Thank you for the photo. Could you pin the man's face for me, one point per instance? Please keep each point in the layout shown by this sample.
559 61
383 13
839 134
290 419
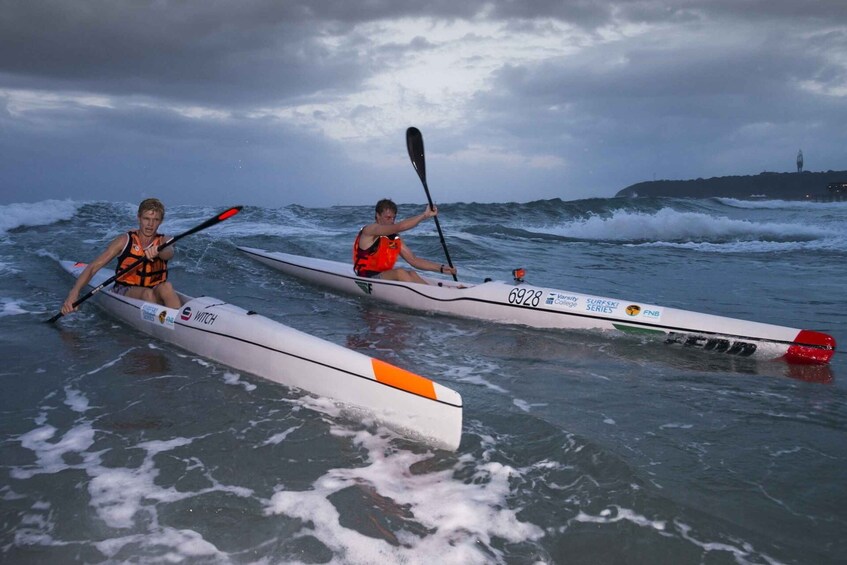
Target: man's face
149 222
386 217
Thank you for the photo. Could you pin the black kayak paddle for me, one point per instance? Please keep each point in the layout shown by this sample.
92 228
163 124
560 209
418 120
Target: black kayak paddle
415 145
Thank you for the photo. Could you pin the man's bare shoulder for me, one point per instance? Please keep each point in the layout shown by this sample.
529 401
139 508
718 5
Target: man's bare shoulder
375 230
118 243
369 229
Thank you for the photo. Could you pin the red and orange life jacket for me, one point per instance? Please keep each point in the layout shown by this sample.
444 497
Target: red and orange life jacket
149 273
379 257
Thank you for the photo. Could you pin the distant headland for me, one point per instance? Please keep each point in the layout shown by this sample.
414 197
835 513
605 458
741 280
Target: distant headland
802 185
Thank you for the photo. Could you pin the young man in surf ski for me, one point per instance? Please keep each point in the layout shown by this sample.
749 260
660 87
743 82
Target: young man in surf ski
148 281
378 245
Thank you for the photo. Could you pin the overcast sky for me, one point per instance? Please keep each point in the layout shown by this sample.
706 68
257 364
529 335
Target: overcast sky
265 102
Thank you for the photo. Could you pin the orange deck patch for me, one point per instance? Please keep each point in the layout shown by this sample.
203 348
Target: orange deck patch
402 379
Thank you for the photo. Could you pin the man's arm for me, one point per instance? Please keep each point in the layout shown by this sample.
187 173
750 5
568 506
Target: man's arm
376 230
112 251
419 262
165 254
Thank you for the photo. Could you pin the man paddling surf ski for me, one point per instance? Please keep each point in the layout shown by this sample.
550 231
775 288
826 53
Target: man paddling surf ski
378 245
148 280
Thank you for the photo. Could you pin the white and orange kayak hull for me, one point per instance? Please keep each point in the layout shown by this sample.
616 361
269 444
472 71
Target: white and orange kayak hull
408 403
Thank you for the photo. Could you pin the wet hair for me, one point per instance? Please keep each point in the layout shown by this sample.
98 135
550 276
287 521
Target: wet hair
151 204
386 204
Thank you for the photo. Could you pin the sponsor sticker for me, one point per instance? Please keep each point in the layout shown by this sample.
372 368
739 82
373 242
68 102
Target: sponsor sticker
717 344
651 313
559 299
159 315
205 317
601 305
366 287
186 313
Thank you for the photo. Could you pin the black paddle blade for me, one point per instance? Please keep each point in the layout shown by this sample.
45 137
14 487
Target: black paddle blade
414 143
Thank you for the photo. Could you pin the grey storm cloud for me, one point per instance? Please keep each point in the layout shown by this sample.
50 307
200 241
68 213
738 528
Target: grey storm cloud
297 102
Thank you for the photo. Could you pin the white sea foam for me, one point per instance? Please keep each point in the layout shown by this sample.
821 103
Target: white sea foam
111 363
12 307
473 375
6 493
739 553
751 246
235 380
37 528
120 495
36 213
676 425
186 544
77 401
117 493
280 437
527 406
50 455
617 514
8 266
455 518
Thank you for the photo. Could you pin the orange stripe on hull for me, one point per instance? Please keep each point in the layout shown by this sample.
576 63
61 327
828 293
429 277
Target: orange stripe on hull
400 378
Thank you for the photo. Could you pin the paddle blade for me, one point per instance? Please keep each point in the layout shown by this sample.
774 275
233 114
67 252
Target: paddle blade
414 143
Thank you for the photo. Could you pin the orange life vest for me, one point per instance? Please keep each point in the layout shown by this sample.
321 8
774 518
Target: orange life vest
149 273
379 257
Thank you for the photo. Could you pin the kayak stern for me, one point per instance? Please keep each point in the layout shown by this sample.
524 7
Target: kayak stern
811 348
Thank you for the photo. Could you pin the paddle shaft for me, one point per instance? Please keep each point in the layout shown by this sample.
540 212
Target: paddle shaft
415 146
208 223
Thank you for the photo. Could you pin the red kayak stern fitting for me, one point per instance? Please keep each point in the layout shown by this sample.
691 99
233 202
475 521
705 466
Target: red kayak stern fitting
811 348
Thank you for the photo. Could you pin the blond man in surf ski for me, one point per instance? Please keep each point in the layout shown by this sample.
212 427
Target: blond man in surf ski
148 281
378 245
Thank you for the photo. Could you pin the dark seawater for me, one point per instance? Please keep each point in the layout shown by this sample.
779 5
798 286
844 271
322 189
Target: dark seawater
578 447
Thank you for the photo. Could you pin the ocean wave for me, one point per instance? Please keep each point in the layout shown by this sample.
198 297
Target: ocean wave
780 204
41 213
748 247
669 225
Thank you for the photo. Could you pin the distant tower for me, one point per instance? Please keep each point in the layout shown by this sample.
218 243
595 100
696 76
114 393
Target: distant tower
800 161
